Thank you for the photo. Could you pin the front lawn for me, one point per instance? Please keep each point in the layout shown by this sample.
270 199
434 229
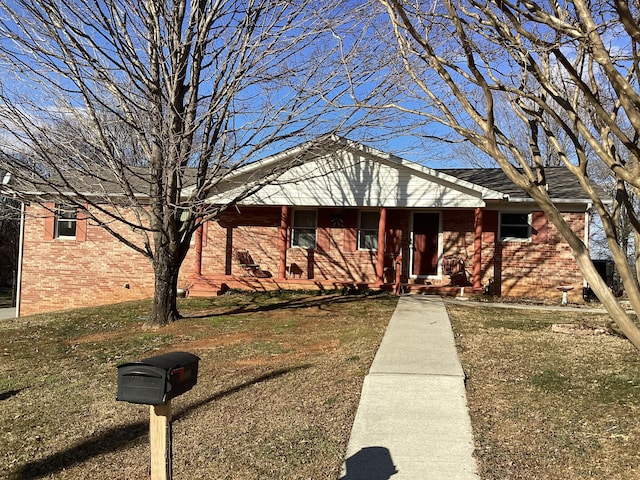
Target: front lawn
548 405
279 382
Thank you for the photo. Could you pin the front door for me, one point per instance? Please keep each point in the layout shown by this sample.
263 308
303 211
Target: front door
426 227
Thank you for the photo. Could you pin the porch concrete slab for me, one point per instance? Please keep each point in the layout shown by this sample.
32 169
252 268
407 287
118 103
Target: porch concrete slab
412 422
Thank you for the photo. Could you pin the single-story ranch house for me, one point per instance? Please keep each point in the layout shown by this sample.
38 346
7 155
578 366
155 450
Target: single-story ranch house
347 216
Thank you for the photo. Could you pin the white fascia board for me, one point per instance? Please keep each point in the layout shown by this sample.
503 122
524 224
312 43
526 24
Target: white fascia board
562 201
520 204
275 158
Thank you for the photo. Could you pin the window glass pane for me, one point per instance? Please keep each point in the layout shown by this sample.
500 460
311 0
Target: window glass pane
369 220
305 238
304 219
66 228
304 229
511 231
368 232
515 226
65 221
368 240
515 219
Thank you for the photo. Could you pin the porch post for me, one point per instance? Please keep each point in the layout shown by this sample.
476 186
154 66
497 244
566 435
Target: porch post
198 265
228 252
283 237
382 228
477 250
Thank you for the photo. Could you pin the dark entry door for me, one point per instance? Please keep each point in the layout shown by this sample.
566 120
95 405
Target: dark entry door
425 243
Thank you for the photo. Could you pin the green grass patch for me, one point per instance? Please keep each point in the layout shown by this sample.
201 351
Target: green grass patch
549 381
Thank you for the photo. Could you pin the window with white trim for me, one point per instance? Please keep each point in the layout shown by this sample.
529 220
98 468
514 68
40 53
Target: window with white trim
515 227
368 230
303 232
66 221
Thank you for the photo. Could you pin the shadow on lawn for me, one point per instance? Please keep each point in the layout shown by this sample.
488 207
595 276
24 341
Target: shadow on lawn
349 297
9 394
122 437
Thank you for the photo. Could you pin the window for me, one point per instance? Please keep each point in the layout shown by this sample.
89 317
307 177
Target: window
66 219
515 226
368 231
304 229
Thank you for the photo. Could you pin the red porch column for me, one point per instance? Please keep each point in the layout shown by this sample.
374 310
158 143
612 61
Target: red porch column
382 228
198 265
228 252
283 240
477 250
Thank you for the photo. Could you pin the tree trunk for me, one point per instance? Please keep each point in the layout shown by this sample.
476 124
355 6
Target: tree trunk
636 254
165 309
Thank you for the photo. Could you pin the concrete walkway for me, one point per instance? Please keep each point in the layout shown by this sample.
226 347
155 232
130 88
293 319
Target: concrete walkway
7 313
412 422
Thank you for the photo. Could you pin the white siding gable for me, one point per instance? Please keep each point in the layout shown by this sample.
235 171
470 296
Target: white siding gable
349 178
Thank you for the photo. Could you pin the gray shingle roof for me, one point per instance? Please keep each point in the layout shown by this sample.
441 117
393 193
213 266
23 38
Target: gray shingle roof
562 185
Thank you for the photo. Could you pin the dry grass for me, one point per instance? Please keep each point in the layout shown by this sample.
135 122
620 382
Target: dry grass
549 405
280 376
279 382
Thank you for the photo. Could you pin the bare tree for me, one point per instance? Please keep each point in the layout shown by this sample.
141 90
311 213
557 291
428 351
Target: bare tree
568 73
134 112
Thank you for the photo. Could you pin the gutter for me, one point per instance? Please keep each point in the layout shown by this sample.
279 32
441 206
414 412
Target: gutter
580 201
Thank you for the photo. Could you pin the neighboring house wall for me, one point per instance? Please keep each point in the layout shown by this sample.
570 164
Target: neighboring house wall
92 269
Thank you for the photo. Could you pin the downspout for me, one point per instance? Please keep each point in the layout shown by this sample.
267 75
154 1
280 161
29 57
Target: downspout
587 223
20 253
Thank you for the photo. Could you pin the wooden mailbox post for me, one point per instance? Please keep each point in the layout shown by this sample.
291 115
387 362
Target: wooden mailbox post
155 381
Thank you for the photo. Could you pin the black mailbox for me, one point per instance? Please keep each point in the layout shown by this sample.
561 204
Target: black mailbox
154 380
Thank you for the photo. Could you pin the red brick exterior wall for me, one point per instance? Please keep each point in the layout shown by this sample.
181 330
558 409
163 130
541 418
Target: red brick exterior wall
255 229
93 269
535 269
517 269
96 269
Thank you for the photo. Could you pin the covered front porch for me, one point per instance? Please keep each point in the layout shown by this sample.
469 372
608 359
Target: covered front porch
407 250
